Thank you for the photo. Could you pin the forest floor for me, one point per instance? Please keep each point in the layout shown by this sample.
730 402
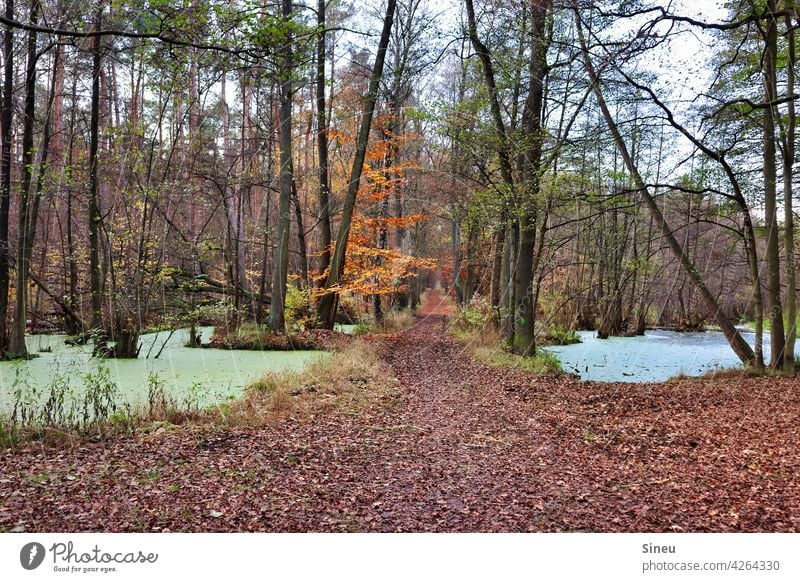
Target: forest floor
460 446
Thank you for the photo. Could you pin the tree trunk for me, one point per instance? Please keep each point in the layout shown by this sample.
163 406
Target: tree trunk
322 147
16 344
301 236
265 207
95 217
327 304
774 307
29 209
528 200
497 266
469 269
6 118
788 215
507 281
277 314
71 285
458 288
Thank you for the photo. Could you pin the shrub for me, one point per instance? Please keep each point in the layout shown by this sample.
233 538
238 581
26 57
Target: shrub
561 336
362 327
475 316
299 312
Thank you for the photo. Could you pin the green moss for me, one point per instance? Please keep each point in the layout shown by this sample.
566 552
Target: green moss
541 364
560 336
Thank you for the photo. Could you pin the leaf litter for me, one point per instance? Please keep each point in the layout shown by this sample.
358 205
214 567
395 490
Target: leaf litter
523 453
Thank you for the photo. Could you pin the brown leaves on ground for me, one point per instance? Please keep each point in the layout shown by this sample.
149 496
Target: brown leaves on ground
460 447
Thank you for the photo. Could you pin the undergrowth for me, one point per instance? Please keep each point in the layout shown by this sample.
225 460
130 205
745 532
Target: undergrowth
475 328
346 381
393 321
542 364
250 336
93 409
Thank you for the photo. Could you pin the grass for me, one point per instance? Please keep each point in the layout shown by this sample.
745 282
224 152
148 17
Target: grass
345 382
393 321
484 344
559 336
728 374
542 364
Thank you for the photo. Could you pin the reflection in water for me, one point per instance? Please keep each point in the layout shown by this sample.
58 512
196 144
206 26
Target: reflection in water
654 357
209 375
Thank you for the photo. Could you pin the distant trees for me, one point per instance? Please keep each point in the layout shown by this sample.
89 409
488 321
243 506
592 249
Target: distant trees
219 152
156 199
744 101
617 277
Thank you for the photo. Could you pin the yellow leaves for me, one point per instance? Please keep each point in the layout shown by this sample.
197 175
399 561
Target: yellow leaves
371 270
380 150
342 137
390 222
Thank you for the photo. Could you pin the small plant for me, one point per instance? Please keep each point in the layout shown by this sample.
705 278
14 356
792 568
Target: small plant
562 336
362 327
158 402
100 396
123 420
198 393
299 312
9 434
26 399
266 384
60 407
474 317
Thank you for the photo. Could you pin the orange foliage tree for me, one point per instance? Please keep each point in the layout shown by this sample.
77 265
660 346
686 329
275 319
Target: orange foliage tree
373 268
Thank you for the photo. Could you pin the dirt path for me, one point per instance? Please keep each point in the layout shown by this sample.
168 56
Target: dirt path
463 447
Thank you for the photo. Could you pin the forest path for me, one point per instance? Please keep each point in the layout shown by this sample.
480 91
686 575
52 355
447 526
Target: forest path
460 447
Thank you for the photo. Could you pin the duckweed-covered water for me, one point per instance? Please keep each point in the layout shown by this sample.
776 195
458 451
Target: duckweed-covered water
654 357
200 376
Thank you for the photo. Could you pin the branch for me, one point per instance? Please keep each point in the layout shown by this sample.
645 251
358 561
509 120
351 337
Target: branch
666 16
752 105
160 36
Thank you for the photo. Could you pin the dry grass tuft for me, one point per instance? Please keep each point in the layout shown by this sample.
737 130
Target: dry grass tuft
395 321
345 381
484 344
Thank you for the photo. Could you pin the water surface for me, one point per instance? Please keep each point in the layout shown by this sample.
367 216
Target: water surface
203 376
654 357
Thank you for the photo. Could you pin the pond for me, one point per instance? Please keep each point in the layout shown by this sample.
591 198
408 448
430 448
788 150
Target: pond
200 376
654 357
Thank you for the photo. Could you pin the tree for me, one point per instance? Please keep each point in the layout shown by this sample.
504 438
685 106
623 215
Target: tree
277 318
6 120
525 190
327 304
732 334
